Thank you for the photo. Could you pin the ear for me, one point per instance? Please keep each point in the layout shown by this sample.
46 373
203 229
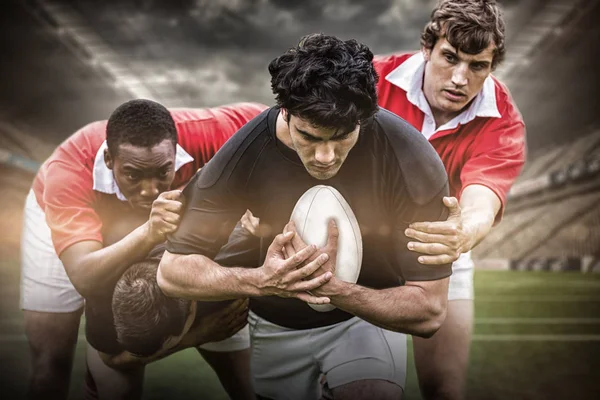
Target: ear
284 114
426 53
108 160
171 342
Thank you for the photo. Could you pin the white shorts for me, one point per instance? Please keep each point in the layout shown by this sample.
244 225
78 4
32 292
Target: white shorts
45 286
288 363
461 280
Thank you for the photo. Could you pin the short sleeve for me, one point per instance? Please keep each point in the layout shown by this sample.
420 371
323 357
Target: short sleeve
497 159
68 199
210 214
410 268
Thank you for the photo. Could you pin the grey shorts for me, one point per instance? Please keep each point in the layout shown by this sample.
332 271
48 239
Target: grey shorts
288 363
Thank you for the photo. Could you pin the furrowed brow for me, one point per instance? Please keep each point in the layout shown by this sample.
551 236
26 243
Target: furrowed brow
308 135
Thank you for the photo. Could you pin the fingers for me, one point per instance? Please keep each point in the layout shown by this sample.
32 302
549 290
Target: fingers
296 242
453 206
303 286
240 319
166 228
309 298
308 269
169 218
437 260
438 227
237 306
173 206
252 220
449 240
301 256
280 240
433 249
249 222
333 234
170 195
288 249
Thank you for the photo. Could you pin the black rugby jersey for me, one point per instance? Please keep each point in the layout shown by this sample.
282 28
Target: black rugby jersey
391 177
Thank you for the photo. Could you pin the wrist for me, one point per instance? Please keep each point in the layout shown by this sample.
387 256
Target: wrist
150 240
253 280
340 290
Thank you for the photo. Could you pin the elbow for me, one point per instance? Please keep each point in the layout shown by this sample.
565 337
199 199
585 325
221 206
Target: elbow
435 315
86 291
166 275
85 287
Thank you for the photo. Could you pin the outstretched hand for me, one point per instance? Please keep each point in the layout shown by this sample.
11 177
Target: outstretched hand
441 242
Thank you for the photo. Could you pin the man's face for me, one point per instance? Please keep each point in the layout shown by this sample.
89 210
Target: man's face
143 173
453 78
322 150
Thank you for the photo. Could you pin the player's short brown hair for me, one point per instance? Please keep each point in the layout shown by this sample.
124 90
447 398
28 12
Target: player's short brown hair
144 316
468 25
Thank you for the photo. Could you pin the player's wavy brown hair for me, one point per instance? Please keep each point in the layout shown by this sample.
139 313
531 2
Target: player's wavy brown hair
468 25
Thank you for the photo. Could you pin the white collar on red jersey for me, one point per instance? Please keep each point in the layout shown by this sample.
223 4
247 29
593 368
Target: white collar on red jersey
104 180
409 77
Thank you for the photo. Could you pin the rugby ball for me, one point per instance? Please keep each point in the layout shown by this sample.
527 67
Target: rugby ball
311 215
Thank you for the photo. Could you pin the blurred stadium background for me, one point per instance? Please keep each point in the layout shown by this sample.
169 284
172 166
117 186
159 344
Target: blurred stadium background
66 63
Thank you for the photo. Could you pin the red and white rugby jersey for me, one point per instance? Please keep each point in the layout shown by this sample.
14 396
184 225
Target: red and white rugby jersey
483 145
71 183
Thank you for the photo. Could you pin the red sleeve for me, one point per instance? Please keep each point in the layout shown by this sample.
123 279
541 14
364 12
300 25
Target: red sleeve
68 199
202 132
498 156
386 64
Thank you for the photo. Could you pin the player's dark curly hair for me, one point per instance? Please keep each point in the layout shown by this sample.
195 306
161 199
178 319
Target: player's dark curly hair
144 316
142 123
327 81
468 25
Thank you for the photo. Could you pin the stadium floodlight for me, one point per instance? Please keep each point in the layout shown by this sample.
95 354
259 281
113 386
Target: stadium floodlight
577 170
592 166
558 178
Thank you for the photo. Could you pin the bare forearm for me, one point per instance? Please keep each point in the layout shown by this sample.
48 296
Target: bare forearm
408 309
126 360
96 270
197 277
479 208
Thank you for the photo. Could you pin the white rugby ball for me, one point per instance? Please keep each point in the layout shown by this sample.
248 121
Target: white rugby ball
311 215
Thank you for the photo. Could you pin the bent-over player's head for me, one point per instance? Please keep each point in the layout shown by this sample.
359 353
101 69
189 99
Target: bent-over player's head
326 87
141 139
463 43
146 320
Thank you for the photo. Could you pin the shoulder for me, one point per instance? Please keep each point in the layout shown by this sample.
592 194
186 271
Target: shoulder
384 64
224 120
421 169
80 149
506 106
252 134
89 137
242 112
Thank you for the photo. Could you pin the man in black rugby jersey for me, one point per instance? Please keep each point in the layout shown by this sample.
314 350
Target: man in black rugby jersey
325 129
136 324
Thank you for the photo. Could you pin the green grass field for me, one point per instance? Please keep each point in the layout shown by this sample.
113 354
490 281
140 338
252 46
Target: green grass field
537 336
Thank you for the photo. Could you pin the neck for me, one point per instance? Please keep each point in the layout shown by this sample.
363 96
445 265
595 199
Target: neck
441 117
